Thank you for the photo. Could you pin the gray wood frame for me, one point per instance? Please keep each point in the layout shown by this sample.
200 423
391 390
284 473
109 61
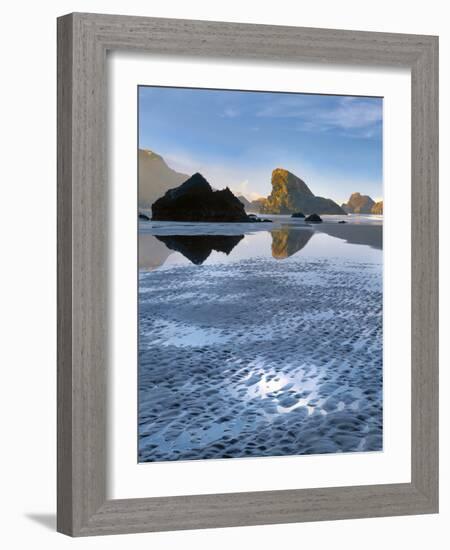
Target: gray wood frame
83 41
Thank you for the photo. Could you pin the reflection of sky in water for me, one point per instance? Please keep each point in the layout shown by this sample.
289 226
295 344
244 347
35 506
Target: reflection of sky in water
273 383
260 245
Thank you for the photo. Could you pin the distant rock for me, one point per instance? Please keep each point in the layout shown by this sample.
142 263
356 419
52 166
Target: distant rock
143 217
195 201
252 206
255 205
254 218
298 215
155 177
377 208
358 204
197 248
342 221
313 218
244 201
291 194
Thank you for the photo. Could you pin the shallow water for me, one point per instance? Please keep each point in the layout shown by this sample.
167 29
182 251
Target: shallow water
258 340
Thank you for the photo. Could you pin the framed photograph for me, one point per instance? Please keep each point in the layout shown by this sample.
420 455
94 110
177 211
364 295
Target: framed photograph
247 274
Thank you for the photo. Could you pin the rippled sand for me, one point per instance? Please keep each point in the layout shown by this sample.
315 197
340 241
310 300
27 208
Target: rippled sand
260 357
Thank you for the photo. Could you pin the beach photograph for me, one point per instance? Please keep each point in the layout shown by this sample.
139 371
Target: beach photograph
260 274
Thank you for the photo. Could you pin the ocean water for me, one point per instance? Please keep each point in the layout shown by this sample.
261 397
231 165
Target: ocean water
260 339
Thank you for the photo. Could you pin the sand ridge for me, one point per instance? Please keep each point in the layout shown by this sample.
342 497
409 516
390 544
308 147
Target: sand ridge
260 358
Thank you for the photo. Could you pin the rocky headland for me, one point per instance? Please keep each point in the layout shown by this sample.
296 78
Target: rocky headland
155 177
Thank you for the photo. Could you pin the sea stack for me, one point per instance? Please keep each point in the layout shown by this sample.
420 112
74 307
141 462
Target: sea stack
195 201
359 204
377 208
290 194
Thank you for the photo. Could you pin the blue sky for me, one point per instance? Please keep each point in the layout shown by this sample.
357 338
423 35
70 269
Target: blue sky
236 139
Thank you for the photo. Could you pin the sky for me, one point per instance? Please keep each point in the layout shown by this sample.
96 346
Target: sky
236 139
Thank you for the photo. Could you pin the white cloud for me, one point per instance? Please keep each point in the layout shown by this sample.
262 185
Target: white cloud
352 114
243 188
285 107
230 112
354 117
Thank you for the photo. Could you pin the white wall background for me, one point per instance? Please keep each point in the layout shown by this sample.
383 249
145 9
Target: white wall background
28 268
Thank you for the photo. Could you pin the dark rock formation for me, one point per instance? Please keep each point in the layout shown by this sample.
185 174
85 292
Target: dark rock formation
197 248
195 201
254 218
358 204
298 215
291 194
342 221
143 217
313 218
377 208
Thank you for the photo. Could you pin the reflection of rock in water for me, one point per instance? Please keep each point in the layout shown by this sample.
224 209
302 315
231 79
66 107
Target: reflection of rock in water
152 253
287 241
197 248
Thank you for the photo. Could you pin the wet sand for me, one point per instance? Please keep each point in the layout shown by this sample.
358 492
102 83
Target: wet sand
371 235
264 354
